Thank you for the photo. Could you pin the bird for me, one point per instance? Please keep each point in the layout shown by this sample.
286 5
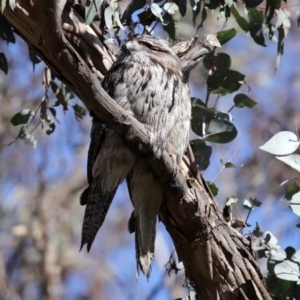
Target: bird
149 80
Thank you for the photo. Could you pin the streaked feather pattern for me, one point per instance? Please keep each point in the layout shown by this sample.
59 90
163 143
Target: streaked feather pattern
149 81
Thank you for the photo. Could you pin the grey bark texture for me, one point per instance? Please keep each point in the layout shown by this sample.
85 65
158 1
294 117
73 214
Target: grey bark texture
218 261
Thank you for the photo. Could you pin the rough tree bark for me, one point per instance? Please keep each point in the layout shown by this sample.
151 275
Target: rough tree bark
218 261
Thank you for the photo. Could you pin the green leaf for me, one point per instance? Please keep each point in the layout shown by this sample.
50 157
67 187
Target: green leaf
67 92
219 63
3 63
233 81
242 100
280 44
53 111
12 4
196 9
202 154
215 81
51 124
252 3
33 57
59 94
27 137
283 143
21 117
291 191
255 202
220 131
192 296
293 160
213 4
286 271
223 82
200 114
170 26
79 112
257 232
255 26
213 188
230 165
91 9
6 31
223 116
3 5
295 204
47 77
239 19
181 5
226 35
271 6
227 12
55 88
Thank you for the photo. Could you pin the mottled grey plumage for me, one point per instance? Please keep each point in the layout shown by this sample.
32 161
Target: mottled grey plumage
147 79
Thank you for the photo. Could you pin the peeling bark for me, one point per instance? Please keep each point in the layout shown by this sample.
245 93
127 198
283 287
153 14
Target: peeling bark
218 261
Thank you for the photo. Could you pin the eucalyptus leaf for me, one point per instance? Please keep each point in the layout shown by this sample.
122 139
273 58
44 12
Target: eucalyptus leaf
282 143
242 100
220 131
287 270
79 112
108 14
202 153
169 26
22 117
213 188
291 191
157 11
33 57
196 6
276 253
226 35
253 3
201 115
255 26
232 200
239 19
296 257
220 62
6 31
3 5
91 10
247 204
3 63
270 239
295 204
181 5
12 4
170 8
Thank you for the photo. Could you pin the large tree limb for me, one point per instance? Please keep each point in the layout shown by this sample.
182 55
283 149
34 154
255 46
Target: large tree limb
217 259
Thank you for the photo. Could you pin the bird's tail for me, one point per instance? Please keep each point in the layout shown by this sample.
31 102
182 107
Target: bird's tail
95 213
113 163
144 241
146 195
